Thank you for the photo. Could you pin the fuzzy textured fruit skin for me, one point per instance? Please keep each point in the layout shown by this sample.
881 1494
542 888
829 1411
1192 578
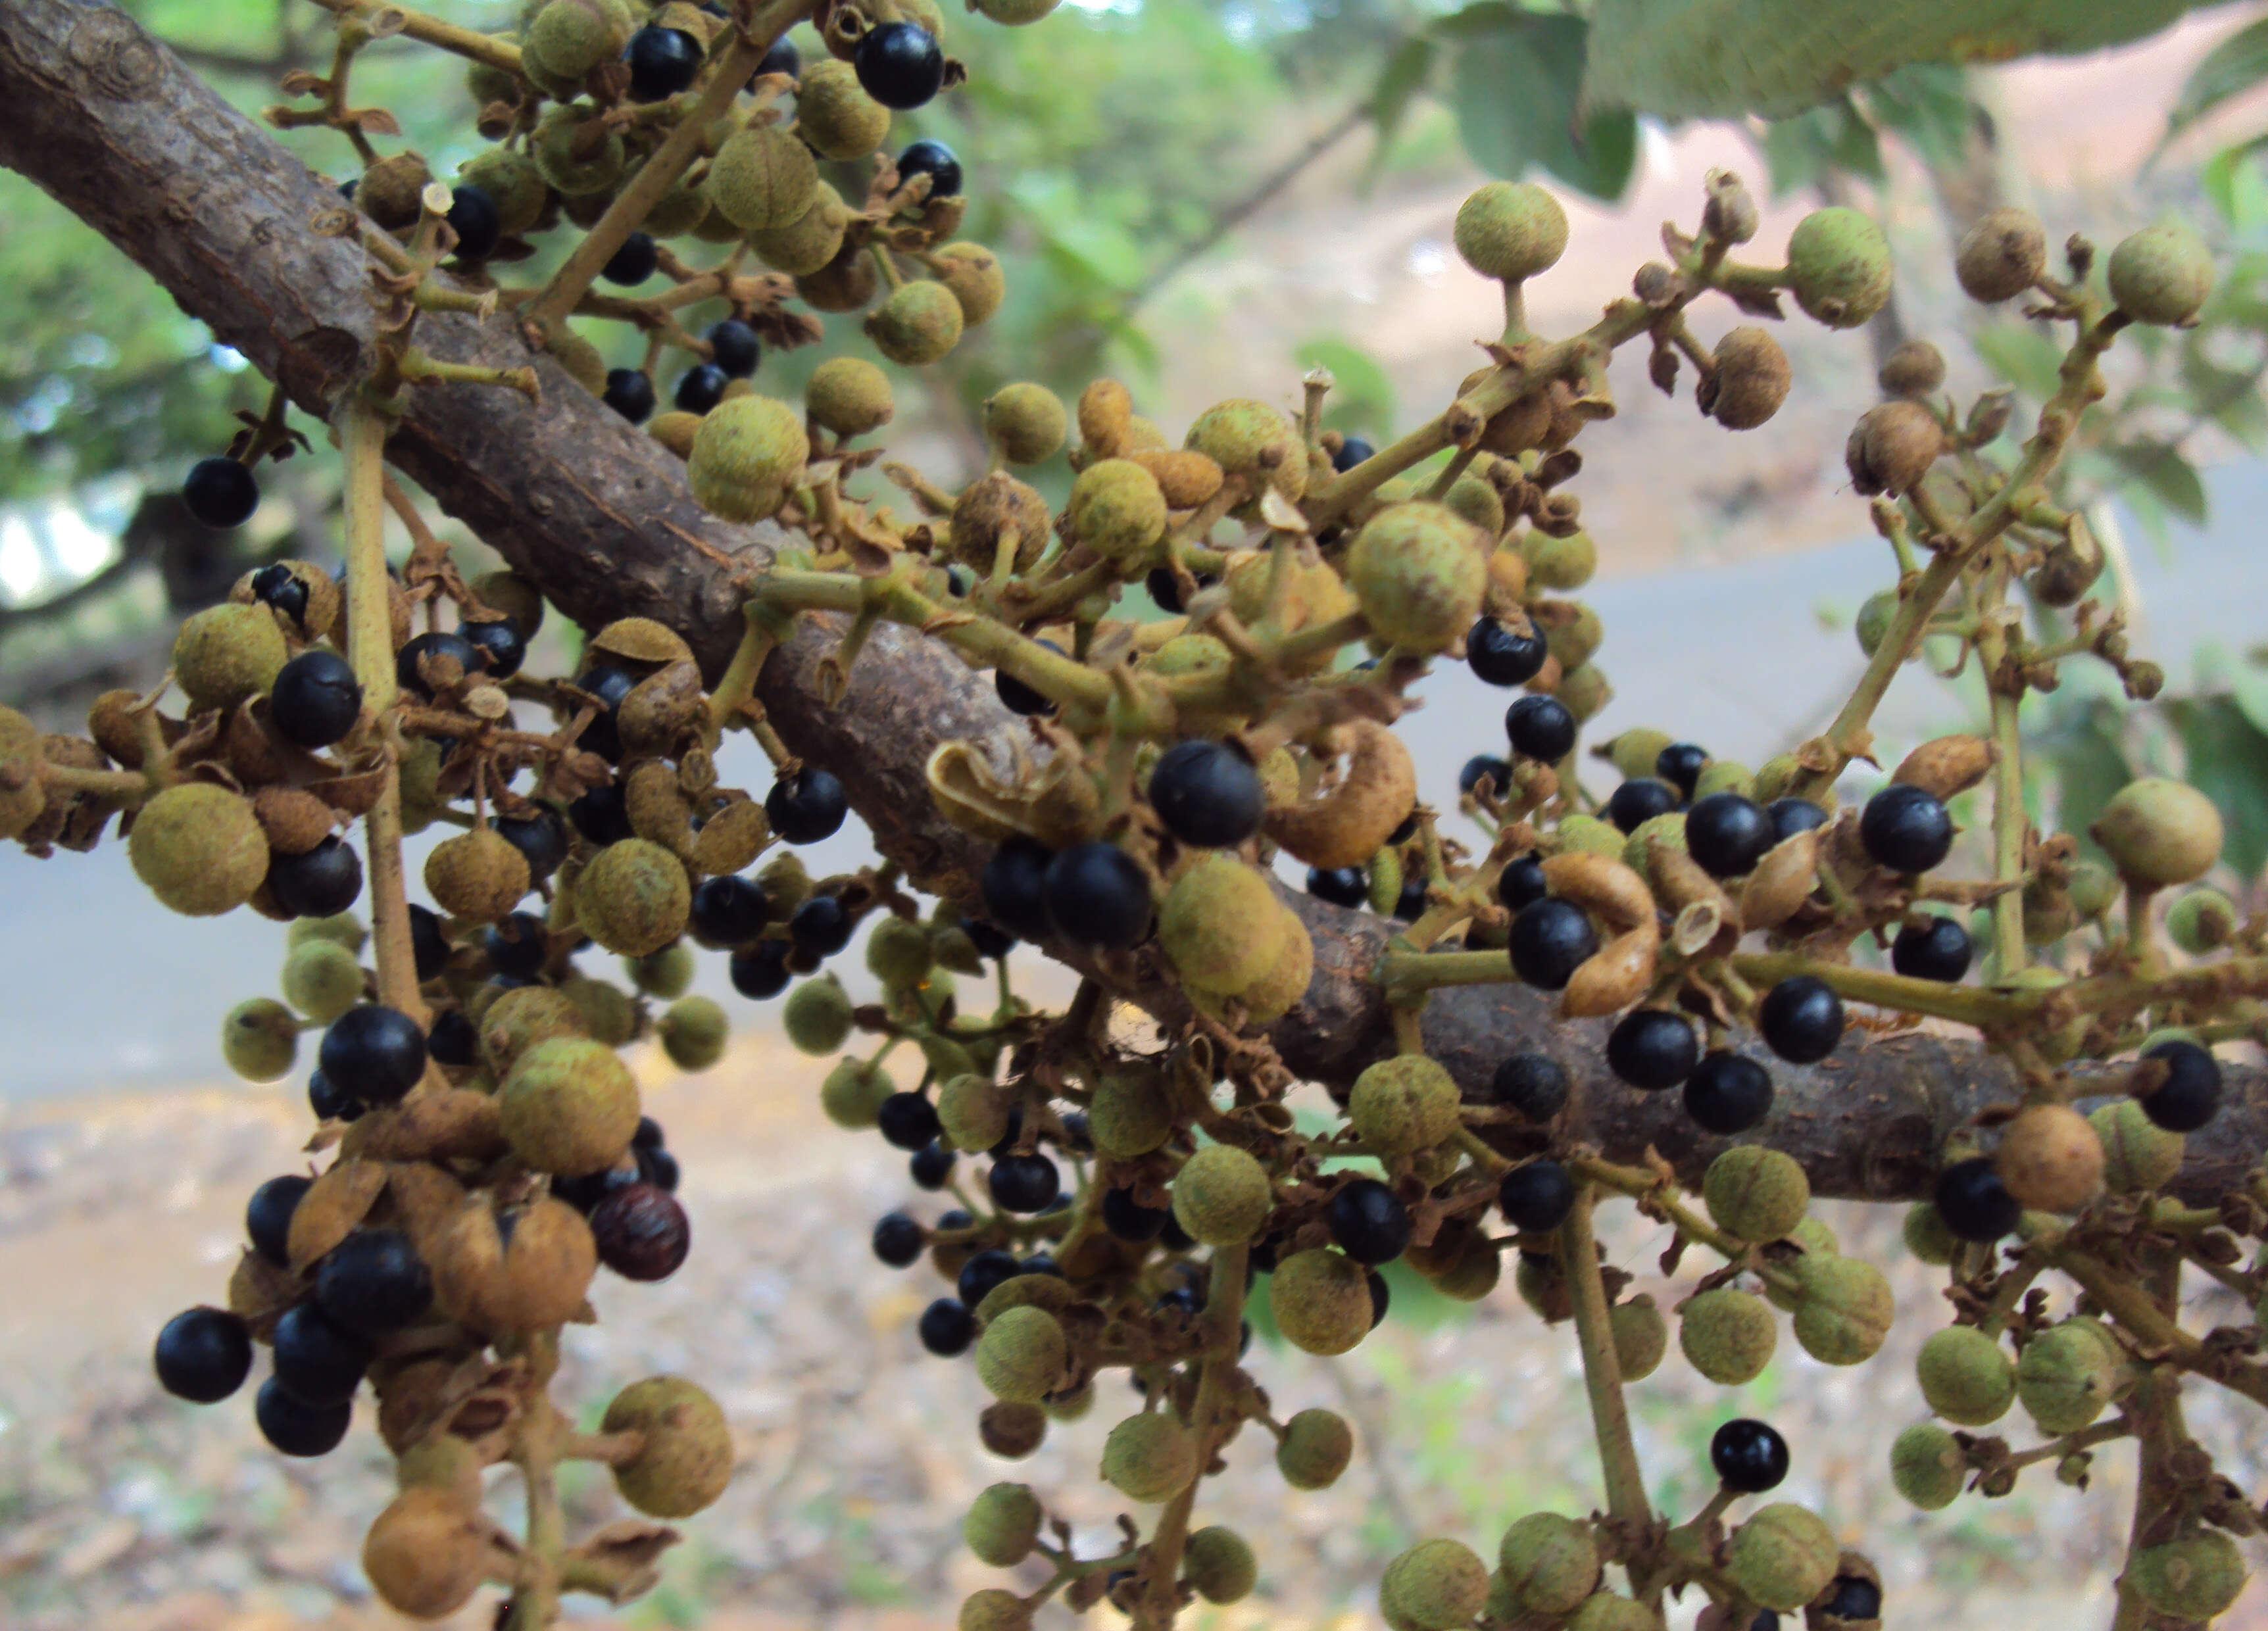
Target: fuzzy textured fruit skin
1966 1377
2160 831
746 455
1782 1556
2137 1154
1641 1337
1727 1335
1604 1610
1417 572
1026 421
479 875
688 1457
199 848
2069 1374
917 325
1321 1300
1219 1564
1551 1562
848 396
260 1038
1838 266
1436 1585
1118 509
1003 1525
1927 1466
1021 1355
1404 1104
2162 275
2002 255
1751 381
1510 230
835 115
809 243
570 1106
993 1609
975 276
227 653
1222 1196
633 898
2192 1578
423 1558
2051 1158
1315 1448
1149 1457
762 180
1892 447
1755 1192
1216 925
1845 1309
1236 434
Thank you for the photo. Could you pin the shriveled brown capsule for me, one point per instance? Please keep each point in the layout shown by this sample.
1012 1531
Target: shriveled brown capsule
1915 369
1892 447
2002 255
1748 380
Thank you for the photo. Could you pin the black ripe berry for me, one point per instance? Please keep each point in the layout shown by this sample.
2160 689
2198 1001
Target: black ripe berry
727 911
1018 698
267 1217
2187 1099
1501 656
373 1281
1375 1283
519 945
1550 938
220 492
1680 764
277 584
1727 834
782 58
899 64
295 1427
1802 1019
1522 882
1935 947
1727 1093
1791 816
1368 1221
317 1360
932 1167
1024 1183
1497 771
663 62
1973 1201
1638 800
431 655
1129 1219
908 1121
700 388
989 941
1341 885
634 262
1852 1597
1749 1457
1352 452
821 926
540 836
898 1240
373 1054
1540 727
733 347
630 392
1905 828
1207 794
476 220
983 1272
1410 905
658 1168
1013 886
648 1135
328 1103
454 1039
1653 1048
602 815
429 948
947 1327
1536 1197
806 806
322 882
759 971
1097 895
501 645
204 1355
1533 1084
935 160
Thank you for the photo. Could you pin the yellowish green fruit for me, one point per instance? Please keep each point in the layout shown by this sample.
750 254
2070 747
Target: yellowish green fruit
917 325
1026 423
1551 1562
1219 1565
835 115
1436 1585
746 454
1020 1356
1402 1105
1418 574
1966 1377
1149 1458
693 1033
1003 1525
848 396
1755 1192
633 897
1844 1309
228 653
1782 1556
1727 1335
322 980
260 1038
1510 230
1314 1450
1838 266
1927 1466
1321 1300
199 848
687 1459
1118 510
569 1107
2158 831
762 180
852 1094
1222 1196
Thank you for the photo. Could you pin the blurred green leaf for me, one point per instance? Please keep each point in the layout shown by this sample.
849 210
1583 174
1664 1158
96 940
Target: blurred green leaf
1513 77
2023 353
1404 75
1929 105
2172 478
2231 68
2089 763
1363 399
2228 763
1834 135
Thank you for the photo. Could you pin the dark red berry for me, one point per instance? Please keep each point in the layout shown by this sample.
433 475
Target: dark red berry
1536 1197
1368 1221
1727 834
322 883
759 971
1533 1084
733 347
1550 938
476 220
1727 1093
1342 886
1802 1019
727 911
1207 794
373 1281
1540 727
1638 800
700 388
1653 1048
1973 1201
1097 895
1501 656
1680 764
808 805
935 160
631 265
642 1232
1749 1456
220 493
663 62
1935 947
908 1121
947 1327
373 1054
898 1240
899 64
2190 1093
315 699
629 392
204 1355
295 1427
1024 1183
1905 828
1522 882
317 1360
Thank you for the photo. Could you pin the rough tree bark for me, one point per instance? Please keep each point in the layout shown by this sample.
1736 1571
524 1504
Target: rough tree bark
109 121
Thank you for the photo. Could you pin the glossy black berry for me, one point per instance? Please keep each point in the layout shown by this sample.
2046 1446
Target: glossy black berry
1014 885
1342 886
1166 589
1802 1019
541 837
1536 1197
932 1167
1410 905
947 1327
649 1135
454 1039
663 62
429 948
821 926
1791 816
631 265
898 1240
1497 771
1749 1456
328 1103
1499 655
989 941
1852 1597
1905 828
267 1217
1534 1084
373 1052
1727 835
759 971
1127 1219
1653 1048
1935 947
1207 794
601 815
908 1121
1020 699
1550 938
1727 1093
1368 1222
315 699
1638 800
700 388
935 160
1097 895
1024 1183
658 1168
1973 1201
293 1426
641 1230
427 653
808 805
1521 883
476 220
733 347
984 1271
220 492
203 1355
317 1360
1352 452
322 883
1379 1297
782 58
375 1281
519 945
727 911
2190 1093
1680 764
899 64
1540 727
277 584
629 392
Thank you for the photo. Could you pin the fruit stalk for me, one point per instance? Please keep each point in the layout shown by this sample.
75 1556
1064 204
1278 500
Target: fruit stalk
1602 1378
1223 1309
466 42
2005 685
535 1452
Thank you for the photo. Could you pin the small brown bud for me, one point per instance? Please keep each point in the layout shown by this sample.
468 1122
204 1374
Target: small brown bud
1892 447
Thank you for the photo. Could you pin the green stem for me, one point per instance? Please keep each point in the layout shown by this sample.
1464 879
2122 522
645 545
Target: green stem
1602 1377
1402 975
1224 1305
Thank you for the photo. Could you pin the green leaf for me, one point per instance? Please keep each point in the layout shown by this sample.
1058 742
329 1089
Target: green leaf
2172 478
1363 399
2024 354
2231 68
2227 761
1406 69
1929 105
1719 58
1512 87
2088 762
1833 136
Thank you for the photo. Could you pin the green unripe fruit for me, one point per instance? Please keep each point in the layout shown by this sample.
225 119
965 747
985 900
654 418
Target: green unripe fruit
898 951
835 115
917 325
1149 1458
973 1112
748 452
1838 266
1817 1240
1755 1192
1219 1565
1844 1311
570 37
1583 690
1966 1377
1240 436
1574 642
1118 510
1417 572
1003 1525
2162 275
1666 830
199 848
1875 615
2137 1154
1320 1301
687 1459
1021 1355
1551 1562
2202 920
693 1033
1473 499
323 980
1471 1274
809 243
848 396
1604 1610
1927 1466
1016 13
1634 752
762 180
1221 926
1567 562
1436 1585
1724 776
609 1014
344 928
227 653
520 1020
260 1038
1315 1448
2194 1578
2160 831
678 210
993 1609
1727 1335
1641 1337
633 897
1927 1237
1587 835
1404 1104
852 1094
1130 1114
572 170
570 1106
817 1016
1026 423
1510 230
1222 1196
2070 1374
975 276
1782 1556
666 973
